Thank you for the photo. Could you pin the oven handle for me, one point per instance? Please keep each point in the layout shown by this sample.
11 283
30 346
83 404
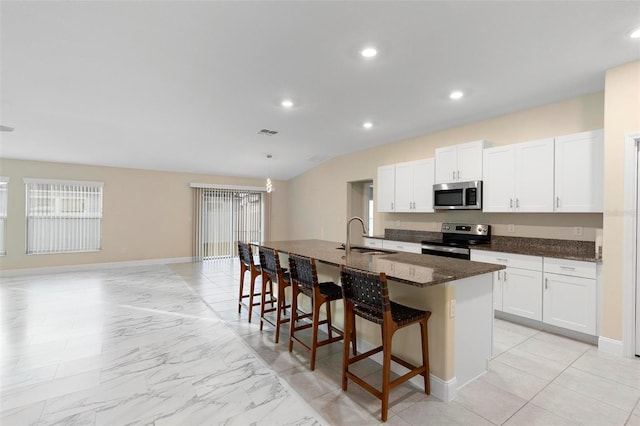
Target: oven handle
445 249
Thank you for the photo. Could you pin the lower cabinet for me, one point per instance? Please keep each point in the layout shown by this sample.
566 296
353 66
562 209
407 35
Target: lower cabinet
518 289
373 242
570 295
521 293
559 292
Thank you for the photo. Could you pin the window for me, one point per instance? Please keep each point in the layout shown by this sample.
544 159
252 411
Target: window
63 216
4 196
224 217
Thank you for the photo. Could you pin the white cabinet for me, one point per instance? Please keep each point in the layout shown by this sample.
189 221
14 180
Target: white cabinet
570 295
406 187
402 246
373 242
459 163
518 288
386 187
414 186
579 172
519 177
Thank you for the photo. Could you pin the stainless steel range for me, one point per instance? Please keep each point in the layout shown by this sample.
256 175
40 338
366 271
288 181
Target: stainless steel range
457 239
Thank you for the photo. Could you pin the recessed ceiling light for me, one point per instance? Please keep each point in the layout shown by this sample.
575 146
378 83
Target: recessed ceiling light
635 33
369 52
456 95
287 103
367 124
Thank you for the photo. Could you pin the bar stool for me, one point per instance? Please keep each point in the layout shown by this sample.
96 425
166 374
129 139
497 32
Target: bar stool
272 274
366 295
247 264
304 280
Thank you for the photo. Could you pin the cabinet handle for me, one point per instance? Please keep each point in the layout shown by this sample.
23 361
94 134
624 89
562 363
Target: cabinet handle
504 276
567 268
546 283
510 203
501 259
558 202
454 175
458 174
517 203
392 205
499 275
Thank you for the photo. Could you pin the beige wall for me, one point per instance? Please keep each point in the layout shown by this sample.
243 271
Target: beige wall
147 214
320 209
621 117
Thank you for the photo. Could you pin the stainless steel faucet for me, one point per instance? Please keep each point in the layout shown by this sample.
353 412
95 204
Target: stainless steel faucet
347 248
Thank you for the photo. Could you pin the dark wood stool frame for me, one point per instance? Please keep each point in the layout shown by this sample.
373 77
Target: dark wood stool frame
366 295
245 254
272 274
304 280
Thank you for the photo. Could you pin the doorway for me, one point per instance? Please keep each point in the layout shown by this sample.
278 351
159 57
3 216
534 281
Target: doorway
360 203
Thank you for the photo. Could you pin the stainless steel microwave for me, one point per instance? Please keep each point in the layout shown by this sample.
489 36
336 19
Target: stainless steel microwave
458 196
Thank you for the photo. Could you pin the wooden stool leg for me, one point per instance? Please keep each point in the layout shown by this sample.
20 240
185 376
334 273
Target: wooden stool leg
252 288
279 307
353 334
425 357
263 300
294 314
386 370
329 325
242 271
314 328
349 330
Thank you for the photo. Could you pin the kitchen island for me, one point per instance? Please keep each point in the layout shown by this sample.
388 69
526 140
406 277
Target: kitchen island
457 292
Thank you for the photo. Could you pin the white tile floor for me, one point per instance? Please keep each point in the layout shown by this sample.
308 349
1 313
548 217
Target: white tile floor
164 345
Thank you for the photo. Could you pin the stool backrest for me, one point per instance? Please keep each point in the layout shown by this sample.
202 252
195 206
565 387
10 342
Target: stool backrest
245 253
365 290
270 261
303 271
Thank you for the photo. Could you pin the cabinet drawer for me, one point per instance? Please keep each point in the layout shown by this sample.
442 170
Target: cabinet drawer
373 242
575 268
533 263
402 246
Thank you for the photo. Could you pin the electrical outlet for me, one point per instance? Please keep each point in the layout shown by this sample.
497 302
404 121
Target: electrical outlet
452 308
577 230
512 228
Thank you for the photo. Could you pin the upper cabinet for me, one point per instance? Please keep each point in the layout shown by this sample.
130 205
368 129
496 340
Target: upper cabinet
459 163
519 177
385 187
406 187
579 172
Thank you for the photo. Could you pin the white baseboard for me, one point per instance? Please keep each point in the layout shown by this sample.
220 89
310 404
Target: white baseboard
445 390
92 266
610 346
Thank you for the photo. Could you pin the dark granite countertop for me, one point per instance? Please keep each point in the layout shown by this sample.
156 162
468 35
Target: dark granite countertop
420 270
545 247
560 249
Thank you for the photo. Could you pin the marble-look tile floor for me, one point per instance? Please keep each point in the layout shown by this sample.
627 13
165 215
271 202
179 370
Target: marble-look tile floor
165 345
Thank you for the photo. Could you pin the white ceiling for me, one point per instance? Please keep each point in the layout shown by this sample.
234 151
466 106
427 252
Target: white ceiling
186 85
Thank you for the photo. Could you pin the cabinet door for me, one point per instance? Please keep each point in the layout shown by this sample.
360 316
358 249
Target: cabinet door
446 164
579 176
402 246
534 176
570 302
404 187
497 290
423 177
522 293
385 185
498 177
470 161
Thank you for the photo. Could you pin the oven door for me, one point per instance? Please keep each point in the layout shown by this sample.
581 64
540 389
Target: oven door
446 251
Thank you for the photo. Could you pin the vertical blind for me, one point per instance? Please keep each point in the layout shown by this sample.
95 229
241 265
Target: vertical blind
4 197
224 217
63 216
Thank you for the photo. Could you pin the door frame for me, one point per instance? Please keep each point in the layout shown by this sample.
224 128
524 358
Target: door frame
630 244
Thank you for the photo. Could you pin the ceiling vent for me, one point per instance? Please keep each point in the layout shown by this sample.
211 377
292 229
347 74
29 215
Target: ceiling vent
267 132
